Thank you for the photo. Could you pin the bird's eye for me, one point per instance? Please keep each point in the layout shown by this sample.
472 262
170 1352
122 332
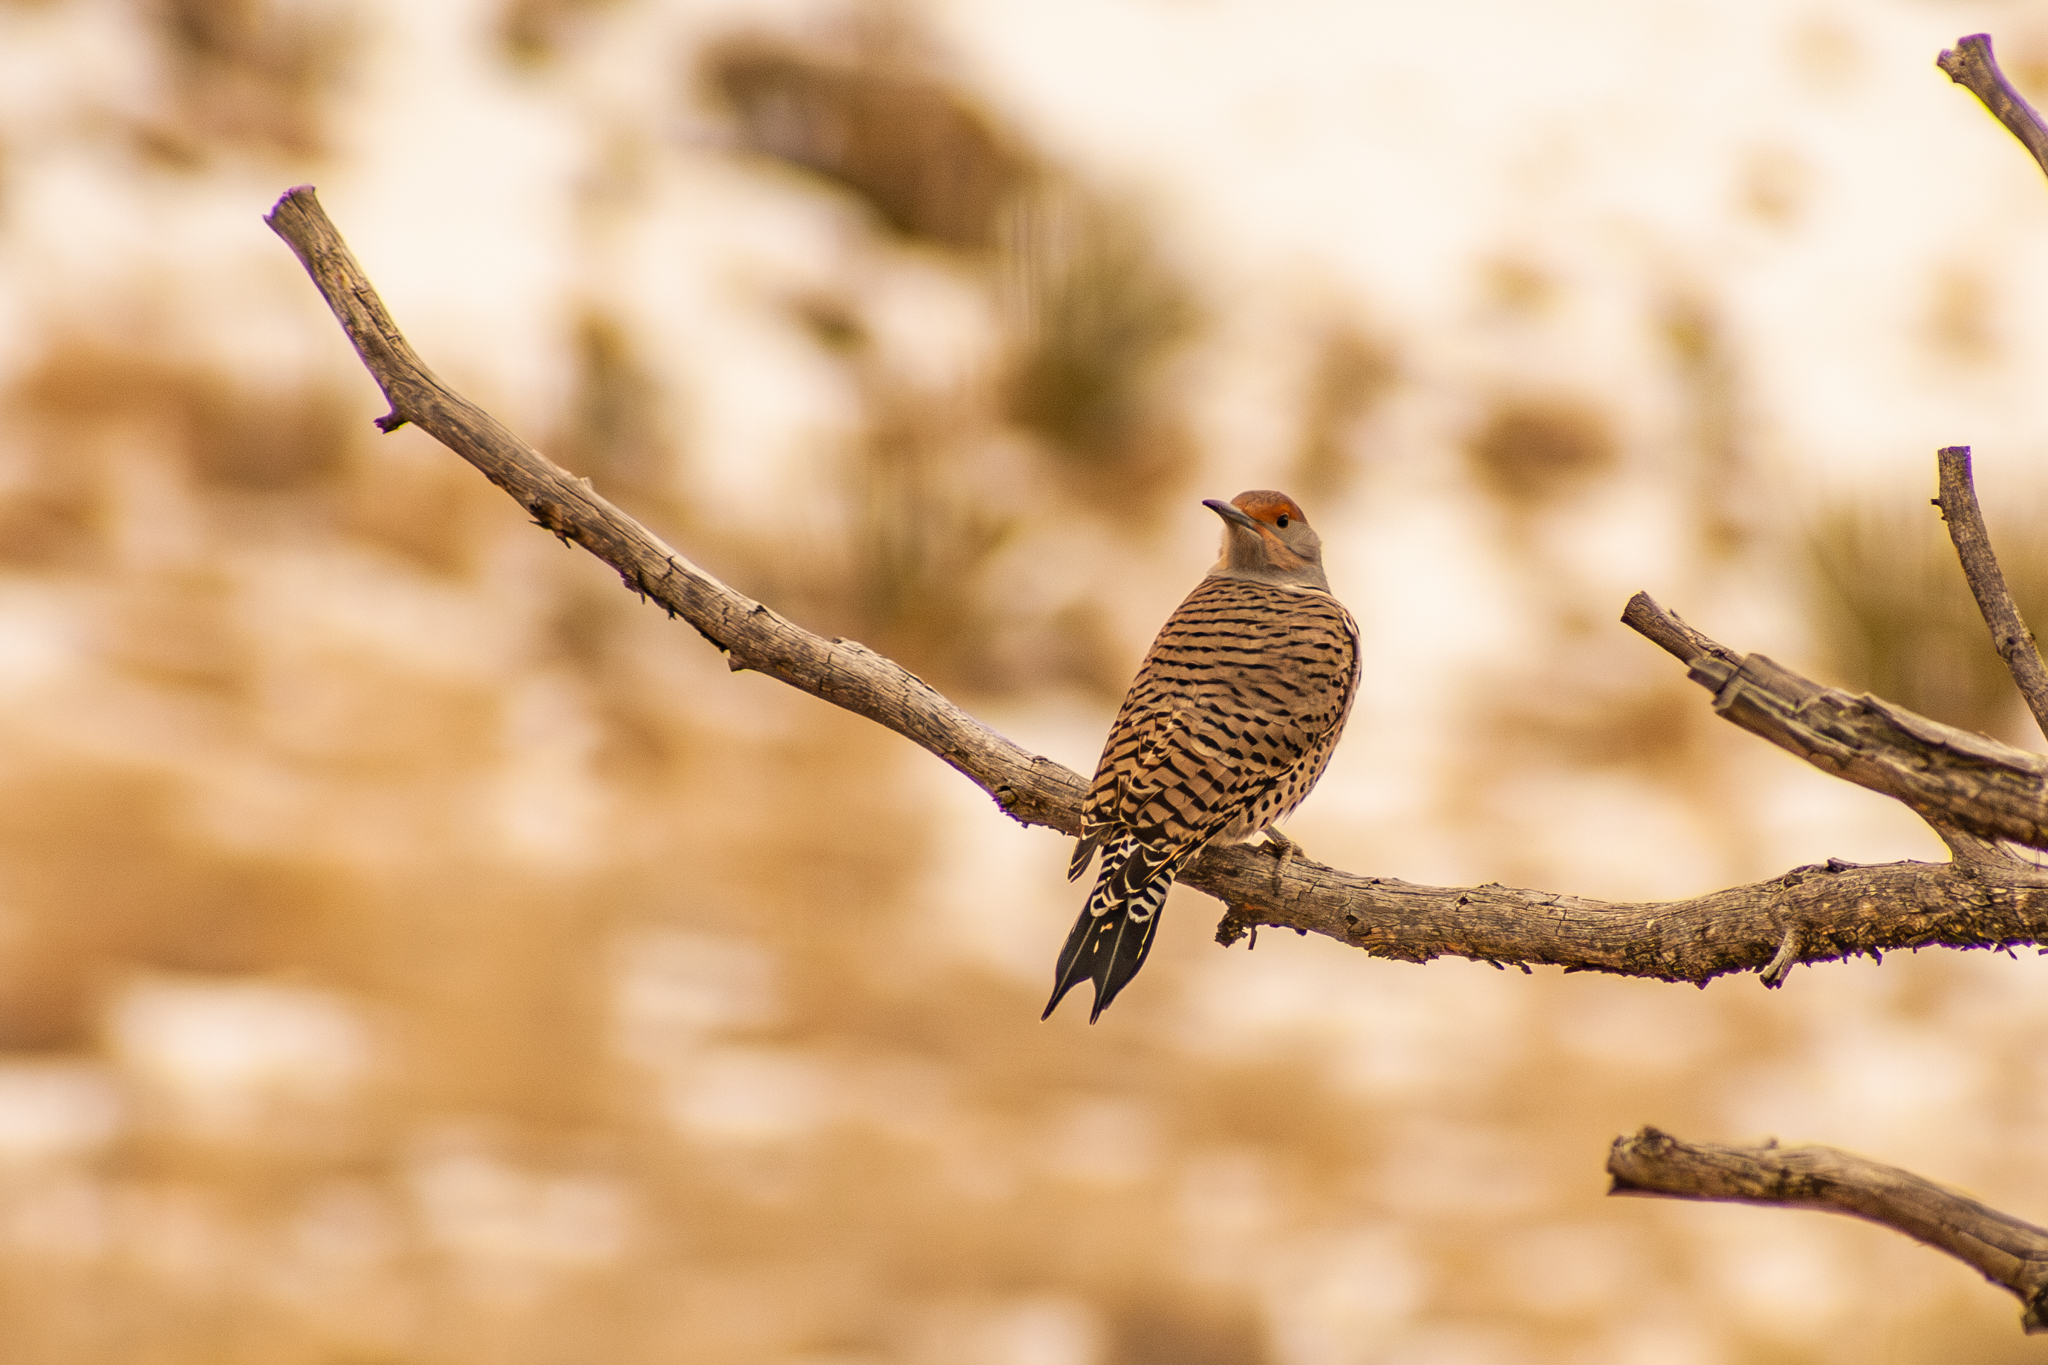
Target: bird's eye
1282 522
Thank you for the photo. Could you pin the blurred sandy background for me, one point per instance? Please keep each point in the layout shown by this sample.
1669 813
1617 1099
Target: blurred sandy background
414 950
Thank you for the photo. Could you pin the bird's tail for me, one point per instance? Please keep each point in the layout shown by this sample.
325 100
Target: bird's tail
1114 933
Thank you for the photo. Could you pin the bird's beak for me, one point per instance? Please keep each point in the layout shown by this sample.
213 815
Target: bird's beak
1234 515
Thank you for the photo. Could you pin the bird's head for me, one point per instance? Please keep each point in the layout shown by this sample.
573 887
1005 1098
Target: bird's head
1266 538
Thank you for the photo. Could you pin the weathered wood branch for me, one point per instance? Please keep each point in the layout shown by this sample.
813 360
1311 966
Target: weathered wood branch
2004 1249
1034 790
2009 634
1809 914
1972 790
1970 64
1948 776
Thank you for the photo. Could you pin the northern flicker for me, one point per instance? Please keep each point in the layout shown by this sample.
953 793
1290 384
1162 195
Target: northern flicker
1231 719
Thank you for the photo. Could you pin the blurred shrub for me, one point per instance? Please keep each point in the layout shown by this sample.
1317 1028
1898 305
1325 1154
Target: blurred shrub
1896 616
532 30
926 160
1961 322
1095 313
1091 307
1724 500
247 73
923 532
1353 372
1189 1329
617 434
1532 451
229 437
106 861
1087 315
89 407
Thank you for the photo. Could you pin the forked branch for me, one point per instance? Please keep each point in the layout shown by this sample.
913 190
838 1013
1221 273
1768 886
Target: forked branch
1809 914
1972 790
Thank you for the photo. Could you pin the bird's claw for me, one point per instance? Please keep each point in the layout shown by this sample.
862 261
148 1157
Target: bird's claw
1283 851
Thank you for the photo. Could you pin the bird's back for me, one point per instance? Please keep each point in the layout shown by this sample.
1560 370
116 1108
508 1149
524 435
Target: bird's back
1231 719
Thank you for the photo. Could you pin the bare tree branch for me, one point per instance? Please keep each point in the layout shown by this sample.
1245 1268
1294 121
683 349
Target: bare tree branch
1033 790
2005 1250
2009 633
1972 790
1809 914
1970 64
1816 913
1946 775
1667 631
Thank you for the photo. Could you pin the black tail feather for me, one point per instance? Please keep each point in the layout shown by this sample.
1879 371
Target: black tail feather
1084 849
1110 940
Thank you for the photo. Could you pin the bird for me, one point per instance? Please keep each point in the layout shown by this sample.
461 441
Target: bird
1231 719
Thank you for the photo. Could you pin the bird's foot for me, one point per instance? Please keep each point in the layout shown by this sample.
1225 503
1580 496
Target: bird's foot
1283 850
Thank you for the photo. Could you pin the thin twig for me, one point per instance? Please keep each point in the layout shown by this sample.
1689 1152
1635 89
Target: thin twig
2006 1250
2009 633
1669 633
1780 966
1970 64
1839 910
